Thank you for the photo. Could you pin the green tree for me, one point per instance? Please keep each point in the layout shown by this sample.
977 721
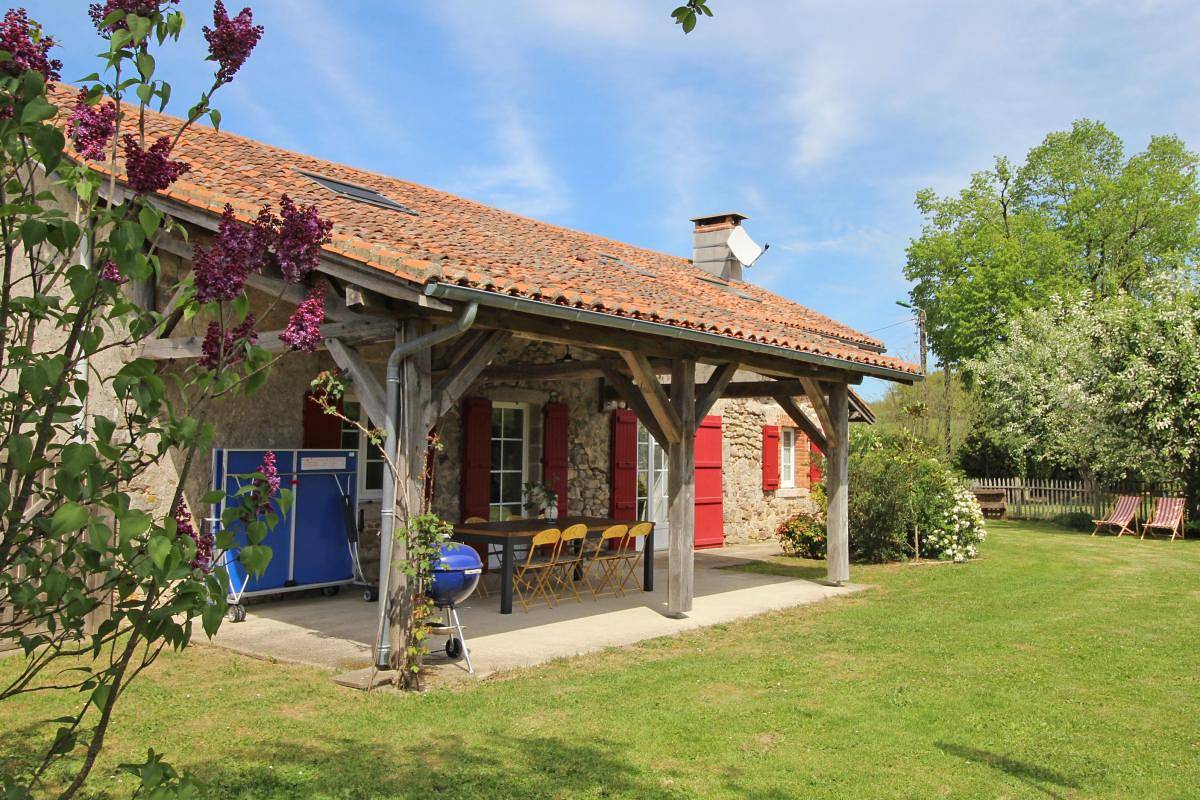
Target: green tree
1110 385
1077 217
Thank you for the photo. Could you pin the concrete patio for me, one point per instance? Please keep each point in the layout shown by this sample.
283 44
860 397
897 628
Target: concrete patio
338 633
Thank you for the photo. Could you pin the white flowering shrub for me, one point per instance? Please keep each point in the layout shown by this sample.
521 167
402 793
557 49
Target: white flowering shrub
961 529
902 496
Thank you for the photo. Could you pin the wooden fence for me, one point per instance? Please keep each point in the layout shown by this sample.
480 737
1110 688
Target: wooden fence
1028 498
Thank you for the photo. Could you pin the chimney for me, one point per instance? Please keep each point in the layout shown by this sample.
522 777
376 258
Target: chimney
710 244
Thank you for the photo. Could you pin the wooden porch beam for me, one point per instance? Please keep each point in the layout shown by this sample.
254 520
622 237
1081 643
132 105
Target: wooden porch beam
636 402
351 334
366 386
454 385
713 389
656 398
797 415
816 396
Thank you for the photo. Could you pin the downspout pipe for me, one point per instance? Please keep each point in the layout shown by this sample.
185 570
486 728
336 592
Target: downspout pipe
394 423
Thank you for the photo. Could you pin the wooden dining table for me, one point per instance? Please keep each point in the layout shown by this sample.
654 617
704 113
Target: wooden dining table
512 532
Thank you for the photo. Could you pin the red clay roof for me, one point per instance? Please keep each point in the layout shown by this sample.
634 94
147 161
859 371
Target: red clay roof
454 240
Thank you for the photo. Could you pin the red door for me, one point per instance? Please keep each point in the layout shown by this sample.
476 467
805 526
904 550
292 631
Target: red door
710 493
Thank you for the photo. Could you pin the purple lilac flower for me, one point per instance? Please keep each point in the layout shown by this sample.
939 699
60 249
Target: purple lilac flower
22 39
270 481
236 251
142 8
231 40
91 127
109 271
151 170
303 331
227 348
300 234
185 527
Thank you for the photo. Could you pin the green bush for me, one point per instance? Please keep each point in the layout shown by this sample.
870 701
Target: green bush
803 535
901 493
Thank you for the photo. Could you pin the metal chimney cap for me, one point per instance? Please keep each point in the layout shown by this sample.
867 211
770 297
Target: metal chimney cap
734 217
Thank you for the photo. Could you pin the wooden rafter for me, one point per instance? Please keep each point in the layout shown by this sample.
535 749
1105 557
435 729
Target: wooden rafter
351 334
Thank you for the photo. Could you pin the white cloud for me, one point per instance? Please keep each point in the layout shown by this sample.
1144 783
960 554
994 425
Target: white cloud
521 179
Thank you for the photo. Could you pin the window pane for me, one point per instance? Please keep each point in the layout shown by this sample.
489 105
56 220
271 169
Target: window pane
512 457
497 422
514 423
373 479
495 454
510 487
495 487
496 513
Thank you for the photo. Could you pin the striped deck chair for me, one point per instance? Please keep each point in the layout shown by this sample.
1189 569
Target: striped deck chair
1123 516
1167 517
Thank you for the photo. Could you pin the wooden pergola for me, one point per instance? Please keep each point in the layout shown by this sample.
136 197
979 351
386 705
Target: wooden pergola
652 367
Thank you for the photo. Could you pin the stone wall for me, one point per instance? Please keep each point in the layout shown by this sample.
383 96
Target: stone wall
752 513
588 428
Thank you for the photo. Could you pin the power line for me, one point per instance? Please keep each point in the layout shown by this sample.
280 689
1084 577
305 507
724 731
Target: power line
894 324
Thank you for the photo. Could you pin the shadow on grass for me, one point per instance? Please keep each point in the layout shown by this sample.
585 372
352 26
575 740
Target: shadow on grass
1030 774
801 569
502 768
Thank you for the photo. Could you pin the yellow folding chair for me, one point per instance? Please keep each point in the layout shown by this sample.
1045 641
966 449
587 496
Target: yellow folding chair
630 555
604 560
570 558
532 576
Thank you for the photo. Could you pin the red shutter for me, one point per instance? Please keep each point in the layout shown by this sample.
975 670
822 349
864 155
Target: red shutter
623 466
320 431
477 458
815 459
770 458
554 452
710 490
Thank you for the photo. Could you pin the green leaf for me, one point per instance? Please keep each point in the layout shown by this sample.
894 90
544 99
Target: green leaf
211 617
133 524
255 558
215 496
150 219
159 547
68 518
37 110
215 117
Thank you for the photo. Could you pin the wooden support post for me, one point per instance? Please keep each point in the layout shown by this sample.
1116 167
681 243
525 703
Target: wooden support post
837 559
681 490
411 439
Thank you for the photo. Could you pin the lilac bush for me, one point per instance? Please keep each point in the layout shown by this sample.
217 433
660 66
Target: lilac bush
231 40
91 127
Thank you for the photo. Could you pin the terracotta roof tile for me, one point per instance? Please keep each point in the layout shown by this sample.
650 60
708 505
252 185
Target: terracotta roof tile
454 240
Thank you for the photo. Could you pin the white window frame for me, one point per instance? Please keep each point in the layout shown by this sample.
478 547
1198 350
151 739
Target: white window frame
524 407
787 458
364 494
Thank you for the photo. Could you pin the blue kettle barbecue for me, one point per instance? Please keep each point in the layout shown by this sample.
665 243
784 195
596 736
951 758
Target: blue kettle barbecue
455 577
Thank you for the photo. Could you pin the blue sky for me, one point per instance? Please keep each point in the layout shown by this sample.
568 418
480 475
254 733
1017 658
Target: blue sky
818 120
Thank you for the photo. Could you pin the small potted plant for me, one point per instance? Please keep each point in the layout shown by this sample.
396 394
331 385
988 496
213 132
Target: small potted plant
541 500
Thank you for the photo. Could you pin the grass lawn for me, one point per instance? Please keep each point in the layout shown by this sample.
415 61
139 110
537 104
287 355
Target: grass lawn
1057 666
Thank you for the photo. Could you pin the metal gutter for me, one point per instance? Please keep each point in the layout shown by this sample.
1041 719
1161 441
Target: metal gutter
396 418
447 291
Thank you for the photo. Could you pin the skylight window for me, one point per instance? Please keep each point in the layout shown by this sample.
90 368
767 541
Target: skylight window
360 193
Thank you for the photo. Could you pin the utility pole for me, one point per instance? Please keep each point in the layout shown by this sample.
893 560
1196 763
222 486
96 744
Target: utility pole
922 344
